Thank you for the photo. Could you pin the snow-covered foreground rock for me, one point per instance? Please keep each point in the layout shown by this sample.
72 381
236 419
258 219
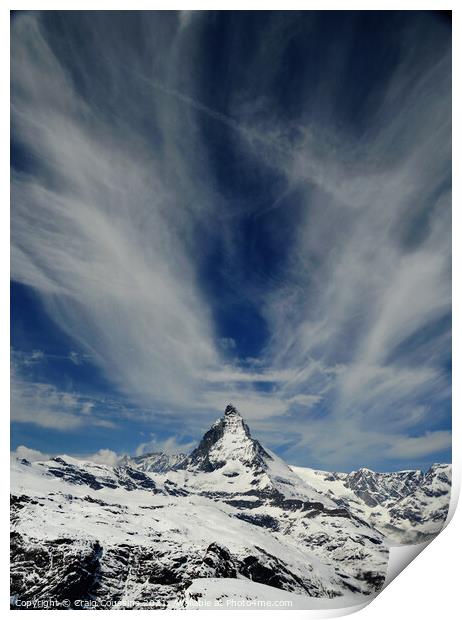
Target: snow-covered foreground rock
230 518
225 593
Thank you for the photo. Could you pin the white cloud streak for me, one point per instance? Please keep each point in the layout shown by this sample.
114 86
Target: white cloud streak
359 284
430 443
108 231
43 405
93 234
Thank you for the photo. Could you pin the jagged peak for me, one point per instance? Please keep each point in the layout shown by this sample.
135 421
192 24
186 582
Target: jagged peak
231 422
228 439
231 410
438 468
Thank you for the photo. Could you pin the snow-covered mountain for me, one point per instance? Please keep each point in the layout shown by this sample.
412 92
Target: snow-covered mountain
156 462
407 507
421 514
165 532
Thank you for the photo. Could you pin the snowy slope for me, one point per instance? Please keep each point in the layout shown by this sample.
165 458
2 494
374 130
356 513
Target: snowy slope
157 532
234 510
228 593
154 543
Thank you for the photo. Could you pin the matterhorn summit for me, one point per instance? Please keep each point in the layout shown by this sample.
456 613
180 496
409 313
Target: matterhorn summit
227 441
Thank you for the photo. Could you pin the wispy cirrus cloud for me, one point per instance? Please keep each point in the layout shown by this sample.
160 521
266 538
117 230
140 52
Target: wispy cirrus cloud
117 220
429 443
43 405
93 233
368 278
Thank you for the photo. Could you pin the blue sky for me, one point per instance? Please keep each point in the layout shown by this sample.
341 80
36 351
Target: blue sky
249 207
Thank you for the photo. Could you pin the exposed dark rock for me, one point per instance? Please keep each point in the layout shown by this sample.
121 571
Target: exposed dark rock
261 520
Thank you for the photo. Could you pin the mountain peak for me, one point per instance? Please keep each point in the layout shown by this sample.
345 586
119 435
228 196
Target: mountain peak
227 440
231 410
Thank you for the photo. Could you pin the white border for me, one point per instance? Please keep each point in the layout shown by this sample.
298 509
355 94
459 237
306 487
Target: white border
430 588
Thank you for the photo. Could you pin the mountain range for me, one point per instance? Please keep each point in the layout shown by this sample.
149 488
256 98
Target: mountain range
229 521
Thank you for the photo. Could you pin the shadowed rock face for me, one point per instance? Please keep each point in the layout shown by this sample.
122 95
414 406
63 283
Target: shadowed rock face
426 507
60 570
377 488
68 571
